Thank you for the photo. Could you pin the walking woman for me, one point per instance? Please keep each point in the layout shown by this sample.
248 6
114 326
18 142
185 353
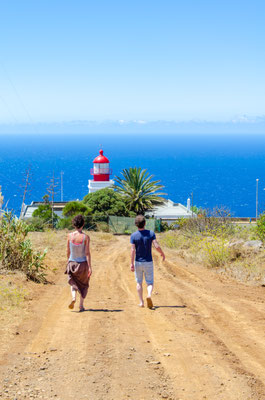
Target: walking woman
79 262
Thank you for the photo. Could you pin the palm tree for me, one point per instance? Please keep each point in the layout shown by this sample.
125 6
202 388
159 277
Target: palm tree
140 191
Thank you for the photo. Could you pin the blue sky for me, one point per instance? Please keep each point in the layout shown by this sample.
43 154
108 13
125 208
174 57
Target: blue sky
135 60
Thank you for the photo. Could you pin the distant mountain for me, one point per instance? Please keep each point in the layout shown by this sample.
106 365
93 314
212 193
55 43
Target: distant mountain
241 125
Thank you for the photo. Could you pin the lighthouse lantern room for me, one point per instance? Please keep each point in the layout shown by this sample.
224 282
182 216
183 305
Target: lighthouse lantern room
101 173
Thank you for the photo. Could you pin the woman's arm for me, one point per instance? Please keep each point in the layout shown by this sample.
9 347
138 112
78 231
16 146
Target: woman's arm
68 247
88 255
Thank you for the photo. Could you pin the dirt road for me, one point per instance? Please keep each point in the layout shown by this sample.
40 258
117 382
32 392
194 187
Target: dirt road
204 339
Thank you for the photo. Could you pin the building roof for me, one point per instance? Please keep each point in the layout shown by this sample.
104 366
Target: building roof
29 209
171 211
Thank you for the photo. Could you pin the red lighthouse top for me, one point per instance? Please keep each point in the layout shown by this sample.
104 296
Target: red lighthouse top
101 159
101 170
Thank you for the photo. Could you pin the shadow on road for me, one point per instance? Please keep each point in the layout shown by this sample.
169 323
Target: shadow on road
99 310
155 307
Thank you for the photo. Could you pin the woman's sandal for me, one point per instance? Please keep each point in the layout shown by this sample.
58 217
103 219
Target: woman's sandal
72 304
82 309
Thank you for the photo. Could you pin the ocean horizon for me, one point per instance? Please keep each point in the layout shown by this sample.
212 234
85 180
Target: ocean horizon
220 170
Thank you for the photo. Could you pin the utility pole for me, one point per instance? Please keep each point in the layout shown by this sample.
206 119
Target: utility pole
192 204
51 191
25 191
257 199
62 185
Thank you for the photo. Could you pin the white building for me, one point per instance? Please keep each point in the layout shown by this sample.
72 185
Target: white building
170 212
58 207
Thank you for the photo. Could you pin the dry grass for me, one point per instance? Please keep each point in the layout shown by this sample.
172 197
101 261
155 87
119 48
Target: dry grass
246 265
15 294
105 236
11 294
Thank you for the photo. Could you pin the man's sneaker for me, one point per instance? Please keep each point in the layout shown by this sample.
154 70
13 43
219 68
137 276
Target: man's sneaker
149 302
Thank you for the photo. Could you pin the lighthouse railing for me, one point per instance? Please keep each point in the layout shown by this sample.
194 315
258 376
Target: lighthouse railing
101 171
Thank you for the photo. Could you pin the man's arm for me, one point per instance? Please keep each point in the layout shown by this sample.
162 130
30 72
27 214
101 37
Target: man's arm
158 248
132 256
88 255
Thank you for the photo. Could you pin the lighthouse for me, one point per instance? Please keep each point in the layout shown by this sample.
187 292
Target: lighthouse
101 173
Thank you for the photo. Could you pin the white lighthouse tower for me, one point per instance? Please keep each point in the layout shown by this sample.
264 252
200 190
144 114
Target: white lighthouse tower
101 173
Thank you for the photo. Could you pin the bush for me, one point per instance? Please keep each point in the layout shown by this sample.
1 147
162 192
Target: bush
170 240
102 226
65 223
76 207
260 227
35 224
164 227
174 240
44 212
215 252
107 202
211 222
92 223
16 251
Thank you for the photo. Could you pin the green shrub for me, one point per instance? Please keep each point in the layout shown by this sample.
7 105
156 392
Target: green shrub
260 227
16 251
76 207
107 202
164 227
44 211
92 223
102 226
65 223
35 224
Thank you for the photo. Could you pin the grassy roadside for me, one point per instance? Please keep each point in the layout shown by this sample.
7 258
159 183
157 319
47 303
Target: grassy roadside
229 250
17 291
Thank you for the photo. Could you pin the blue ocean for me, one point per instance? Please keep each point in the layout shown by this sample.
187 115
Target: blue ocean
220 170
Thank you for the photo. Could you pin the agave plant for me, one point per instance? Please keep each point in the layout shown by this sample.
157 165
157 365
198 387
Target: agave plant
139 190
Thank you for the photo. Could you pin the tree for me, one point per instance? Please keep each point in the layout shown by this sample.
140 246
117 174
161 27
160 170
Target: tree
25 190
138 189
51 190
44 211
107 202
76 207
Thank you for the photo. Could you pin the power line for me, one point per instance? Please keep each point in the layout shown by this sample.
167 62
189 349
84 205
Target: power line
8 109
17 93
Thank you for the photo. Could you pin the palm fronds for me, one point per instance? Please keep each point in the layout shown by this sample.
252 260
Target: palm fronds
140 191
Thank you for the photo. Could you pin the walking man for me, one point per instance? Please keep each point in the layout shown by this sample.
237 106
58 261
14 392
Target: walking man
141 259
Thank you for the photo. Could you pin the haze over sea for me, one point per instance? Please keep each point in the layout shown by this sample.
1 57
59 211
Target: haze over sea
220 170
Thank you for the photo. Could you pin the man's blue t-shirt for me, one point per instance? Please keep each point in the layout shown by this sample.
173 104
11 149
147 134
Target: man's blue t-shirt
143 245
